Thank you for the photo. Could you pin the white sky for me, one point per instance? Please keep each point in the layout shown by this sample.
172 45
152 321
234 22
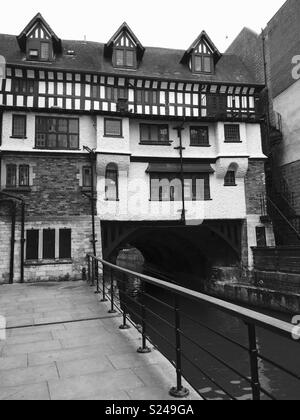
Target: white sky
159 23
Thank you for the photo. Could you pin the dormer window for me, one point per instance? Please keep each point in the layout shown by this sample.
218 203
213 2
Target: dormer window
202 59
39 45
38 41
124 49
202 56
124 52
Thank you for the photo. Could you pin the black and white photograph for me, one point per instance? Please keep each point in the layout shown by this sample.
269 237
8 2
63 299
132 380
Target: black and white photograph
150 203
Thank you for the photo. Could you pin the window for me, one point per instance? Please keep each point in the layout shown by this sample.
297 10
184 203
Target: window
49 244
168 187
146 97
19 126
32 245
261 238
51 239
57 133
87 177
23 86
45 51
114 94
65 242
24 176
112 182
202 59
230 180
11 176
199 136
39 49
125 57
113 128
153 133
232 133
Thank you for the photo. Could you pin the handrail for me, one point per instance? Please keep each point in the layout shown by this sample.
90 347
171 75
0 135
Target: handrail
139 308
262 320
283 216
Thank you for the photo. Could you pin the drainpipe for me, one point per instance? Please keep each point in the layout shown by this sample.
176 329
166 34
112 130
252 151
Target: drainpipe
179 130
92 156
12 242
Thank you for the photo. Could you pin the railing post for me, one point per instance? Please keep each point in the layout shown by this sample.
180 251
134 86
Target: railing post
104 270
112 294
253 352
93 272
144 349
124 326
97 277
89 268
179 391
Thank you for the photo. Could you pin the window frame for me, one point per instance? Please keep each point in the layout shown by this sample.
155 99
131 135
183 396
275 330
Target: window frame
119 136
202 57
231 140
23 86
124 51
199 127
27 167
22 117
15 169
176 176
57 133
228 180
157 142
84 178
112 168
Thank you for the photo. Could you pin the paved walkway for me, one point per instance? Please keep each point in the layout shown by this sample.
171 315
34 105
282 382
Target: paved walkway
72 359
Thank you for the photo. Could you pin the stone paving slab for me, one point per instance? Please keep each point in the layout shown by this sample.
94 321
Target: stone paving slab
75 357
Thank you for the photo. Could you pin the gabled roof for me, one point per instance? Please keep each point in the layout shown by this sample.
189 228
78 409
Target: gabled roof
206 38
38 19
124 28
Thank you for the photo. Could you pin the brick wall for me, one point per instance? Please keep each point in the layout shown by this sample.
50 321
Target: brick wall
255 186
248 46
291 174
55 188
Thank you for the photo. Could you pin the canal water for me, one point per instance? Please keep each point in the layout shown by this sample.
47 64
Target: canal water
199 343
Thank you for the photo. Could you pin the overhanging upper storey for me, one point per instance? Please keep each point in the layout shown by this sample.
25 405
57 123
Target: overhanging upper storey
124 49
202 56
38 41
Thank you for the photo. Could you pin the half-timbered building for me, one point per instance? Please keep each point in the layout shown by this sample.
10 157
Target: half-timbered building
169 139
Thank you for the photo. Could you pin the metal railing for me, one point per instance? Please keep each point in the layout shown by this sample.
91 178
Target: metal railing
101 275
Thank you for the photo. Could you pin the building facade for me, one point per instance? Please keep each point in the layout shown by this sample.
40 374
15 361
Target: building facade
167 138
274 57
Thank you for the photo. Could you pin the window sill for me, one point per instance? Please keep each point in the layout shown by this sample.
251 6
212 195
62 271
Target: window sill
112 201
230 185
19 137
112 137
233 141
180 201
17 189
200 145
155 143
55 150
33 263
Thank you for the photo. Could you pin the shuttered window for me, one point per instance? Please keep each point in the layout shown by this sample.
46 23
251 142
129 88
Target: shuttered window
65 240
32 244
49 244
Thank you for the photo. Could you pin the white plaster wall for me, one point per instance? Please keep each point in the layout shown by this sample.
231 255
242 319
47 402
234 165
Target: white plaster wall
87 131
113 144
288 106
226 202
